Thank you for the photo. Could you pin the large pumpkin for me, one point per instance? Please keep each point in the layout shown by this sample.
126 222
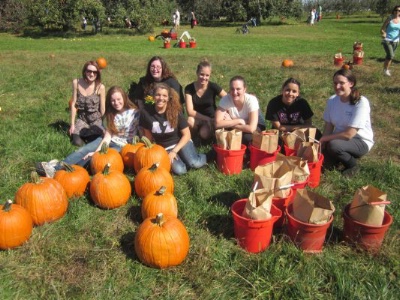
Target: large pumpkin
106 156
44 198
159 201
161 242
151 179
101 61
150 154
15 225
73 178
128 152
110 189
287 63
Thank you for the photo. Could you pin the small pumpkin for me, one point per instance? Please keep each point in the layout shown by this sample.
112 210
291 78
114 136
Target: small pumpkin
151 38
150 154
101 61
44 198
15 225
110 189
159 201
128 152
162 242
105 156
152 179
287 63
73 178
347 66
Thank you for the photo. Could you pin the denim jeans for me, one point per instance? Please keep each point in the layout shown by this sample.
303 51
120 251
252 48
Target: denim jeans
76 158
186 158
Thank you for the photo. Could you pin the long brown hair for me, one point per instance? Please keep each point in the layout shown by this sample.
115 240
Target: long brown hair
148 78
355 93
110 113
93 63
174 107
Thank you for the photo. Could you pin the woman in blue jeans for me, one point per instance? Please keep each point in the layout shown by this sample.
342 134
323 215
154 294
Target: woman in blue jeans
165 124
121 122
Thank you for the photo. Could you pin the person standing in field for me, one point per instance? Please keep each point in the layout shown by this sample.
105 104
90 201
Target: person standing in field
177 19
390 31
193 21
312 16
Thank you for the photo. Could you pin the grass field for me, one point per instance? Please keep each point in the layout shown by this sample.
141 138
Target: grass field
89 253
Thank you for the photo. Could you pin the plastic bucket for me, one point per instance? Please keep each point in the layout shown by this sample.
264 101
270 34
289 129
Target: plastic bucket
167 45
357 60
260 157
182 44
308 237
281 204
315 171
368 237
230 162
338 61
253 235
289 151
173 35
192 44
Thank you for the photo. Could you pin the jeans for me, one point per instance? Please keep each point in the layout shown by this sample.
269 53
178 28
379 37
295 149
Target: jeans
346 152
76 158
186 158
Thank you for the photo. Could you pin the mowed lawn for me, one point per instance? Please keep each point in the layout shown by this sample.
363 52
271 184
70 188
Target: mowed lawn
89 253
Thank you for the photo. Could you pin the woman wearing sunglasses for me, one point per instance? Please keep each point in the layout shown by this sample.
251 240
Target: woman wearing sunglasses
390 37
87 106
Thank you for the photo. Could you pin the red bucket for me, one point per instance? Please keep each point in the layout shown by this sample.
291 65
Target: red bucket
308 237
357 60
230 162
315 171
368 237
182 44
192 44
289 151
260 157
167 45
173 35
282 203
253 235
338 61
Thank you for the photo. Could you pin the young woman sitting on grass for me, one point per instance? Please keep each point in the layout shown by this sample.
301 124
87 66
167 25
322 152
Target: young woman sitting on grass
165 124
347 134
121 122
200 102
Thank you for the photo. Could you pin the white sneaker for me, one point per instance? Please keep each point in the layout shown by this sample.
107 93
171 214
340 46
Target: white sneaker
387 72
45 169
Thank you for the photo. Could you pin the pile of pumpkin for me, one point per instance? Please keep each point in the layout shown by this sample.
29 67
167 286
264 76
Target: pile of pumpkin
161 239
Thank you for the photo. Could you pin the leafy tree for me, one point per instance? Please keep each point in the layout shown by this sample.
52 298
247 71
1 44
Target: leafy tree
12 15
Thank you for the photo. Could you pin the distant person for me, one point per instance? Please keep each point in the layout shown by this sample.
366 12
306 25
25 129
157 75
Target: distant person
319 12
390 38
193 21
84 23
176 17
347 133
157 71
312 16
87 105
253 21
200 100
164 123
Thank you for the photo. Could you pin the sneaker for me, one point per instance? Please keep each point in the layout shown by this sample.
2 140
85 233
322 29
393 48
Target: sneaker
387 72
45 169
350 172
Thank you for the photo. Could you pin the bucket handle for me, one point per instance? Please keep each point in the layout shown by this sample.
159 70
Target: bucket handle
258 224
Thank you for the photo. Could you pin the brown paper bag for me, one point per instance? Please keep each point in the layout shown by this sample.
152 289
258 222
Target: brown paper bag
221 137
368 206
299 166
234 139
308 151
274 177
309 207
266 140
258 205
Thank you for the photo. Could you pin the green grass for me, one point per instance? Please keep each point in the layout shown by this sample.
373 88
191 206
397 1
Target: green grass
89 253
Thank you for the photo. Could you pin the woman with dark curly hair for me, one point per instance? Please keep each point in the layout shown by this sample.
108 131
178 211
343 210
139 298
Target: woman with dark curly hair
165 124
157 71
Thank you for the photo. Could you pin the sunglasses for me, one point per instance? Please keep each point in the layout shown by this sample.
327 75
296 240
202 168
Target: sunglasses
91 71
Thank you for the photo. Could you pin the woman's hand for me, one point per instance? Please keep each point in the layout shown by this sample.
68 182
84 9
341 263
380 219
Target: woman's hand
71 129
172 155
89 155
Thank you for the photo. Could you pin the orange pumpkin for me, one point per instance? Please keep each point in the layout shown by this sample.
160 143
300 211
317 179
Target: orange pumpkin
287 63
74 179
110 189
150 154
44 198
15 225
101 61
128 152
105 156
159 201
151 179
162 242
151 38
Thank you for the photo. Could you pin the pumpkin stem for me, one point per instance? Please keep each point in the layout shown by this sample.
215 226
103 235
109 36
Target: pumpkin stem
160 219
104 148
69 168
35 178
147 142
135 140
106 169
154 167
161 191
7 206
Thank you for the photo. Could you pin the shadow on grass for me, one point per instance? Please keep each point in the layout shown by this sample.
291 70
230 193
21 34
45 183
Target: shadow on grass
60 126
225 198
220 225
127 242
134 214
